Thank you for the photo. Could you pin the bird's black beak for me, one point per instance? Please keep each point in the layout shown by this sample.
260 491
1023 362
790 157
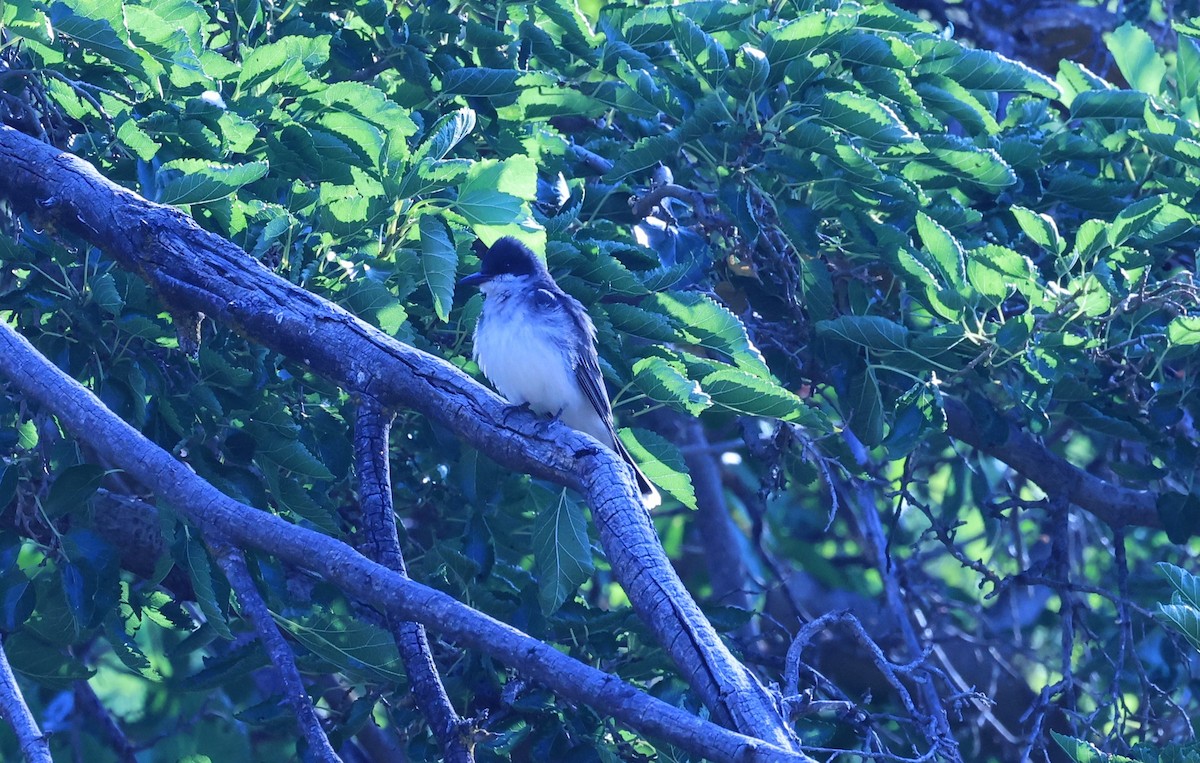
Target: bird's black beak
473 280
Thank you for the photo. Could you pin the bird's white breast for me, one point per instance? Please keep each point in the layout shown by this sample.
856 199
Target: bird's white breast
523 361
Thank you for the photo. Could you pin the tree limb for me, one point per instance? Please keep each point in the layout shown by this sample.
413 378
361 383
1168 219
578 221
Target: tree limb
254 609
194 270
372 429
81 412
34 745
1118 506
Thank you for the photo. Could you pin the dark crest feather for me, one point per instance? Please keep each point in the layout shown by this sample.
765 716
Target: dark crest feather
509 256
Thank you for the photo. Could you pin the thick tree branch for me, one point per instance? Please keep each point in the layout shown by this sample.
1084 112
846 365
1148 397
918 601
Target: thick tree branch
1118 506
196 271
372 430
81 412
254 609
34 746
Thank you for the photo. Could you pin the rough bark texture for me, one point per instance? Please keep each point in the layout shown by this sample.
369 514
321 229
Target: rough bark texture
254 608
34 746
195 271
372 430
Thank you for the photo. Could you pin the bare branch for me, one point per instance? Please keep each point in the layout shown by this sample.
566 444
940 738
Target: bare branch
254 609
371 463
200 503
194 270
34 745
1118 506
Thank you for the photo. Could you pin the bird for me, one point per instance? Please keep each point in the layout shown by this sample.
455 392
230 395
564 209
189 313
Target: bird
537 346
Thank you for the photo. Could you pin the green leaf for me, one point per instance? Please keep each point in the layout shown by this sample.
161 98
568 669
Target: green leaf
1133 219
72 488
947 252
919 414
1137 58
494 198
700 48
445 134
661 462
477 82
1109 104
439 261
286 64
644 155
977 69
959 157
195 181
1084 752
104 293
82 22
664 383
868 118
870 331
1183 331
866 407
1180 515
701 321
205 586
293 456
1040 228
794 39
561 550
348 644
996 271
1186 585
746 393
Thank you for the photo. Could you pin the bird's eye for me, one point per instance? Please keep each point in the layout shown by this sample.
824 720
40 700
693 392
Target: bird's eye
545 299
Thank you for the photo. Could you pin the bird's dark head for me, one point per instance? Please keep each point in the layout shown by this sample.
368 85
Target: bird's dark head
506 257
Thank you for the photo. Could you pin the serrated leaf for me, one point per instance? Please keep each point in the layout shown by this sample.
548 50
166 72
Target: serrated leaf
977 69
866 407
947 252
663 383
1186 585
644 155
996 271
959 157
104 293
195 181
919 414
1137 57
201 574
871 331
701 321
1184 331
348 644
561 551
72 488
478 82
1133 219
445 134
753 395
439 261
496 193
661 462
868 118
796 38
1040 228
293 456
98 35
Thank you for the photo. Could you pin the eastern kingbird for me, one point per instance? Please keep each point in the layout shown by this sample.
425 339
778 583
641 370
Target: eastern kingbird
537 346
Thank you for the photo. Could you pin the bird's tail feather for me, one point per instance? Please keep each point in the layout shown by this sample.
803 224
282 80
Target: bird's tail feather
650 496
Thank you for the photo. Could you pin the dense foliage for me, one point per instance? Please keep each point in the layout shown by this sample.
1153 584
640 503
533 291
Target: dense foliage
855 250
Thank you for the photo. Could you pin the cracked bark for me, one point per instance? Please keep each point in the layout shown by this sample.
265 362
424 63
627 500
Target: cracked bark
82 413
196 271
372 431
